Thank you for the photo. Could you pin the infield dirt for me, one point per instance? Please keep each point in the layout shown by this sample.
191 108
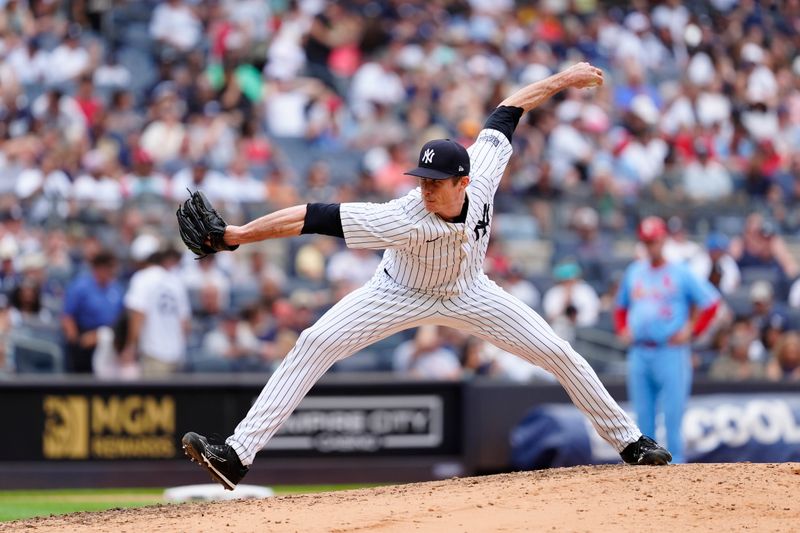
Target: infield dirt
679 498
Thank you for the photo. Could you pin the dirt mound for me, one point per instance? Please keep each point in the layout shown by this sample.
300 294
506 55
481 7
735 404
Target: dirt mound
732 497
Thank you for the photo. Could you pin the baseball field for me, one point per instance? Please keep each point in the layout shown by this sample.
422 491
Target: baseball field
732 497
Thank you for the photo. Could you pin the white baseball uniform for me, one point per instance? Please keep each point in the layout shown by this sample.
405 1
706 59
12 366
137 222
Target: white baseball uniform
431 273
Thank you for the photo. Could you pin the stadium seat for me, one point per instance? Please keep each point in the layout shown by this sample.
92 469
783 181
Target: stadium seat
35 356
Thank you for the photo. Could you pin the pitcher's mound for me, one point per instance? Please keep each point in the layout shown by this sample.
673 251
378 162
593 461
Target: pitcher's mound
701 497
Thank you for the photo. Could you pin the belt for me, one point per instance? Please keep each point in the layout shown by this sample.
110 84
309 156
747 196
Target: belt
649 344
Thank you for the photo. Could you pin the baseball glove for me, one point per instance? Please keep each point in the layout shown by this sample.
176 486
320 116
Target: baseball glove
201 227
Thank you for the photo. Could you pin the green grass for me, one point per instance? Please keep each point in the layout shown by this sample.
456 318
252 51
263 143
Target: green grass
20 504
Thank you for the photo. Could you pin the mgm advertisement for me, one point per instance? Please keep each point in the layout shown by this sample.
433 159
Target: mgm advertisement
116 427
102 422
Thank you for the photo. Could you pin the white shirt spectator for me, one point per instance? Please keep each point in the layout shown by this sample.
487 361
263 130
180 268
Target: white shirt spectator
161 297
514 368
641 163
214 184
176 23
675 250
707 182
731 276
286 113
674 17
524 290
373 83
437 363
250 15
29 182
112 75
243 188
205 273
67 63
71 120
582 296
794 295
567 145
356 266
163 140
29 69
103 192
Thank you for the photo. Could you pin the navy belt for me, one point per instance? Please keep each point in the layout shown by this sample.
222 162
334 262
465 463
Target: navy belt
649 344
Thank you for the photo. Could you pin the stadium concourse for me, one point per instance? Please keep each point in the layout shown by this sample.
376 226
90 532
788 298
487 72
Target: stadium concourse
111 110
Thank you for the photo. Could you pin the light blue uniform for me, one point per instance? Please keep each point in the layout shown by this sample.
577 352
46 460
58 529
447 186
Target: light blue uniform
659 303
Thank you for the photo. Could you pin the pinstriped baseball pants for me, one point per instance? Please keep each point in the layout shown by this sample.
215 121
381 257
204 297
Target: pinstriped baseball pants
382 308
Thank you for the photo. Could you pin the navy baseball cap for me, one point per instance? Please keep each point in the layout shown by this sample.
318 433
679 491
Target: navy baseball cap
440 159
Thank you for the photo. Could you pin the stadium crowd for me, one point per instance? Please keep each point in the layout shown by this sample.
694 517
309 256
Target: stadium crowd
110 111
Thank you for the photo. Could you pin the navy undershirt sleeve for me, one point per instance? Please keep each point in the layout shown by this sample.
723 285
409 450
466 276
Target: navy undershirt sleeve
504 119
324 219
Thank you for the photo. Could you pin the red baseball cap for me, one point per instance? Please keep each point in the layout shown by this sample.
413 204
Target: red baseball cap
652 229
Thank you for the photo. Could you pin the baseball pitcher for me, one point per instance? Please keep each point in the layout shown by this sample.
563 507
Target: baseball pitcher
435 241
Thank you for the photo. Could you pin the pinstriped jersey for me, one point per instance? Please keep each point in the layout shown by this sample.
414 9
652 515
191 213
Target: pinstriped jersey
423 251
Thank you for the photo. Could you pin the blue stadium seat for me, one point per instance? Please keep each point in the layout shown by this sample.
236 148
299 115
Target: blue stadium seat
35 356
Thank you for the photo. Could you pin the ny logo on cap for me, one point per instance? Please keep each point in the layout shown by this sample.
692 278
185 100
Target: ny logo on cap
427 157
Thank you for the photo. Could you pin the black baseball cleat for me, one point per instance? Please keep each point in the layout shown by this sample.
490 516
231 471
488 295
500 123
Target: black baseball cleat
645 451
220 460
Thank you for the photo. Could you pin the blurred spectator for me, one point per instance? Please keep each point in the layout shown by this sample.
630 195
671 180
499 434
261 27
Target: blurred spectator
90 104
571 302
424 357
706 179
318 183
208 279
515 284
122 117
474 360
26 305
210 135
734 362
352 266
6 365
759 246
784 365
569 148
390 178
592 247
111 75
242 187
93 300
144 180
165 137
506 365
158 314
768 318
793 300
97 189
175 26
716 265
678 246
106 361
69 61
9 276
233 342
29 62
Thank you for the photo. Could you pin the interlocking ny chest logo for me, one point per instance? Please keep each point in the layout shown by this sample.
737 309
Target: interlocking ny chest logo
483 223
427 156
